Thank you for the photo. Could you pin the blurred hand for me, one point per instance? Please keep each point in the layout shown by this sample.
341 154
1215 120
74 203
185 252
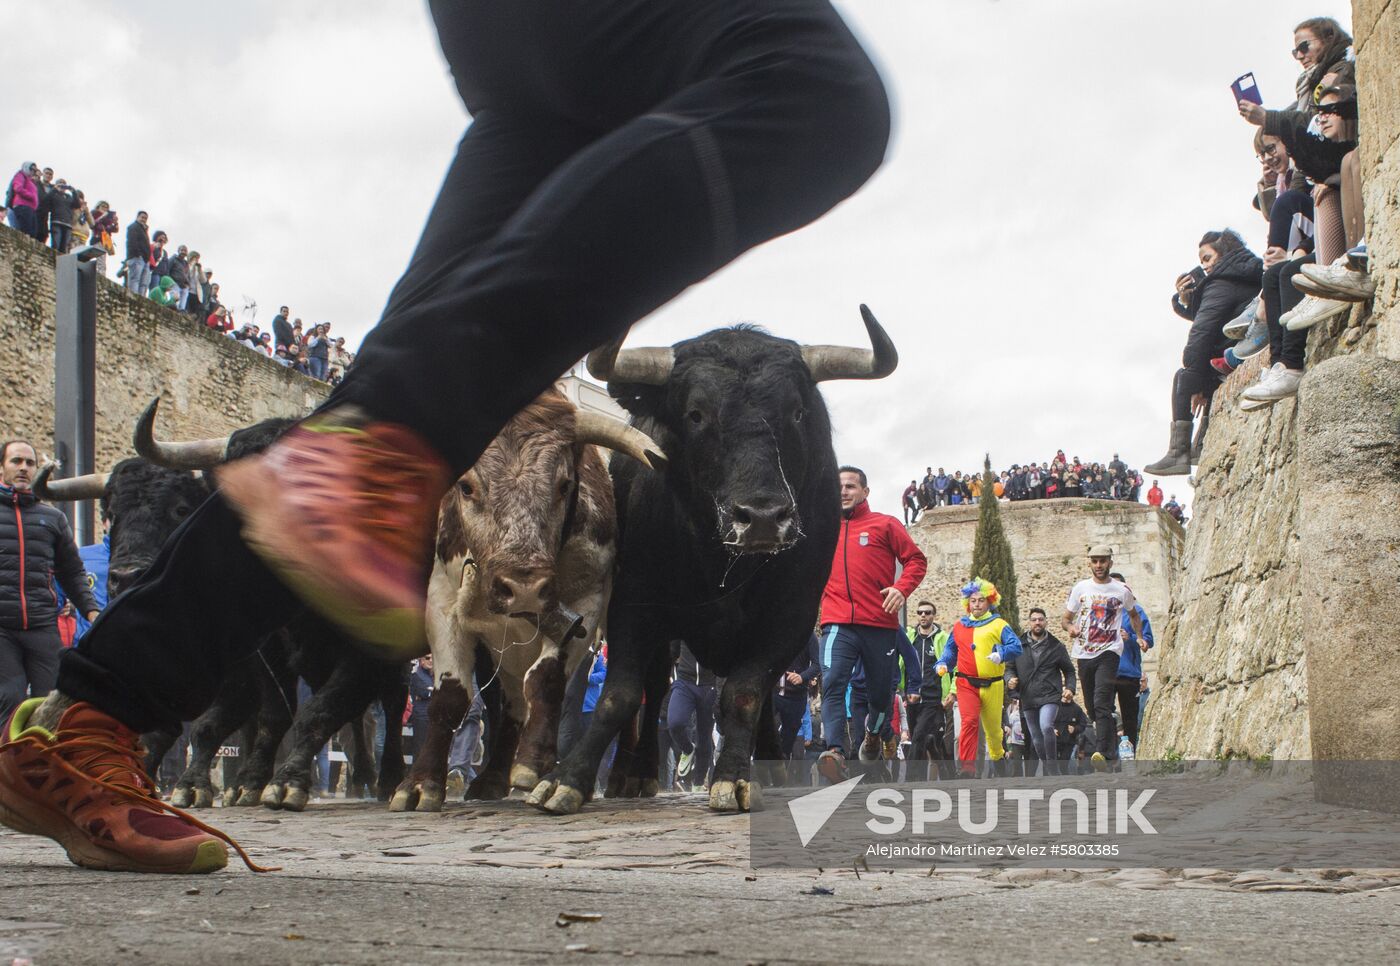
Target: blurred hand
1252 112
1184 285
1198 404
913 698
792 677
1273 255
1066 695
894 600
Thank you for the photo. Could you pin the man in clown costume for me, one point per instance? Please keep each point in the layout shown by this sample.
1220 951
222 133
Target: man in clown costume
978 647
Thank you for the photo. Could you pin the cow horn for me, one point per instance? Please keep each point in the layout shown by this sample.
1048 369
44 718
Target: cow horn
614 434
202 454
612 363
826 362
89 487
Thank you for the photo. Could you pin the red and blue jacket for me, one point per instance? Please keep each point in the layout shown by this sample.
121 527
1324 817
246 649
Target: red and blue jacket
867 549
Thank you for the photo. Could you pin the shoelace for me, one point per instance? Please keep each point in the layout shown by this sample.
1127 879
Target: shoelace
117 768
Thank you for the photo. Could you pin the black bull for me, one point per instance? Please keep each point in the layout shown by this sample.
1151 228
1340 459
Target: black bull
145 503
727 548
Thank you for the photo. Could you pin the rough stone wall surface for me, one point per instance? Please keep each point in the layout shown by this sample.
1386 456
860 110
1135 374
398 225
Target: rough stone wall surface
209 384
1292 554
1048 539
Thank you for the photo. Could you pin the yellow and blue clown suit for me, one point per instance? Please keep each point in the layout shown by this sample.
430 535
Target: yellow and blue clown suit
977 649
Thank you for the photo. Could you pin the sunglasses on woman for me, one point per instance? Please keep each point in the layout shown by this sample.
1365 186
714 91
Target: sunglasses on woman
1302 48
1342 109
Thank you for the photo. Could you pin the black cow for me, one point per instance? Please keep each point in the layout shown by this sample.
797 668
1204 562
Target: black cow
146 499
727 548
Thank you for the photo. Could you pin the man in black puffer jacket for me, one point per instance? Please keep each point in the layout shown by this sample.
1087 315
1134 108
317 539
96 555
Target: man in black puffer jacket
1233 275
35 546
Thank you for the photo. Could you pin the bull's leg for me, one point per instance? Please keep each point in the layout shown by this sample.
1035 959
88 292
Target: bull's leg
393 698
157 745
638 774
624 758
425 787
740 704
564 791
344 696
277 696
544 699
235 703
358 741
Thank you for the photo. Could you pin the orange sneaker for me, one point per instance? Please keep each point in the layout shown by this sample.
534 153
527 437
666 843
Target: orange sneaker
344 510
83 786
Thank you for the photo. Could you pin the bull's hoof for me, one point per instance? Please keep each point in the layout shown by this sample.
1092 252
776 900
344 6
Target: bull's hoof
735 796
456 787
430 796
550 796
523 776
203 798
489 786
247 797
228 797
182 796
277 795
404 799
650 788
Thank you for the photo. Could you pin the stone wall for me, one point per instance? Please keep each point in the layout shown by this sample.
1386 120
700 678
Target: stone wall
1277 641
1048 539
209 384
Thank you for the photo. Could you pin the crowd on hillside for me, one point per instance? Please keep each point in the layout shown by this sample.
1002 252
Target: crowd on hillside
1314 265
1060 477
56 213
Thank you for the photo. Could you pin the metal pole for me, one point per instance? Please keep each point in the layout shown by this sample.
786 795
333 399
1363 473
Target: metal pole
75 377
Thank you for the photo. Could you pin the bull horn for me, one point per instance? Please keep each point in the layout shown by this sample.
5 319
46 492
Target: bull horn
88 487
612 363
614 434
826 362
202 454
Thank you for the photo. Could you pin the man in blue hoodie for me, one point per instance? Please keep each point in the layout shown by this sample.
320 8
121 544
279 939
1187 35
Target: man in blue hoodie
1130 680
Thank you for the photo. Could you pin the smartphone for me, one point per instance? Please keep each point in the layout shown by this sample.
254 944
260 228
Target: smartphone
1198 275
1246 89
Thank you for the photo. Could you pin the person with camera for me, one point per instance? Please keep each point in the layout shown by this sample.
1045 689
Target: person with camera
1210 295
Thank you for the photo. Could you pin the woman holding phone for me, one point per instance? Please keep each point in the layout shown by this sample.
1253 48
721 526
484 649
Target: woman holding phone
1224 284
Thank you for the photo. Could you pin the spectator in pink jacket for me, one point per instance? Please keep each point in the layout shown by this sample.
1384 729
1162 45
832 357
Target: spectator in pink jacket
22 199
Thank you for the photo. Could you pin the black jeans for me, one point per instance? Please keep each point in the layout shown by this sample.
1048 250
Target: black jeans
1279 296
789 708
620 151
1127 690
927 736
1098 682
28 663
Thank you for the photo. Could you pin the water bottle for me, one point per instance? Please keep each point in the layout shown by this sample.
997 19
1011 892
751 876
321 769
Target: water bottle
1125 749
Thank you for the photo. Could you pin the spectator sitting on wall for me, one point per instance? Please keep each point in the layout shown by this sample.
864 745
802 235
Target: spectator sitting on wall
164 292
219 320
1226 282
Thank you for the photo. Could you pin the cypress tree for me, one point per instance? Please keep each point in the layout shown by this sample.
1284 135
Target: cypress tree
991 553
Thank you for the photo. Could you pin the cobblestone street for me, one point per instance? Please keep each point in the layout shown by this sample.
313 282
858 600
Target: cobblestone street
490 882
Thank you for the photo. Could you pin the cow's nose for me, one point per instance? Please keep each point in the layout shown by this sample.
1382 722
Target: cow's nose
760 526
519 593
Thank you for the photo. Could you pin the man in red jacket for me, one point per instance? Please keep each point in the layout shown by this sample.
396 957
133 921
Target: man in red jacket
860 617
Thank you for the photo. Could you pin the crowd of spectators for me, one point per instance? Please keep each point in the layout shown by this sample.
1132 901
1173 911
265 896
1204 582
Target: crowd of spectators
1314 265
1060 477
56 213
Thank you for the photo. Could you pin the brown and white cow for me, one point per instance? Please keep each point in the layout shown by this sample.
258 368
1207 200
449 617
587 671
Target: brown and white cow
529 529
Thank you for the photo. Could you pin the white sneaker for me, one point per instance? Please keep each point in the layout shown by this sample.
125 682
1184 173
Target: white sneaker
1311 311
1282 386
1340 281
1251 405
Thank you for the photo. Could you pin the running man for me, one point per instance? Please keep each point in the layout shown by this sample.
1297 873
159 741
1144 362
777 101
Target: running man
860 619
620 151
1094 619
978 648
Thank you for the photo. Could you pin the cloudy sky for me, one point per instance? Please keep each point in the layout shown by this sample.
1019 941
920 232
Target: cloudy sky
1052 168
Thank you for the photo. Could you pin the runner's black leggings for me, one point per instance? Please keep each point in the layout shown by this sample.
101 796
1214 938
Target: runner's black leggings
620 151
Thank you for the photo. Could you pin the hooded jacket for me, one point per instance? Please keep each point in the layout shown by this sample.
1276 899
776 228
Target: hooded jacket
36 545
1229 288
23 192
867 548
1130 662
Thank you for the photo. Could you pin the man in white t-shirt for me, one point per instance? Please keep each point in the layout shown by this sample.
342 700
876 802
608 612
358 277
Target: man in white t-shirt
1094 619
